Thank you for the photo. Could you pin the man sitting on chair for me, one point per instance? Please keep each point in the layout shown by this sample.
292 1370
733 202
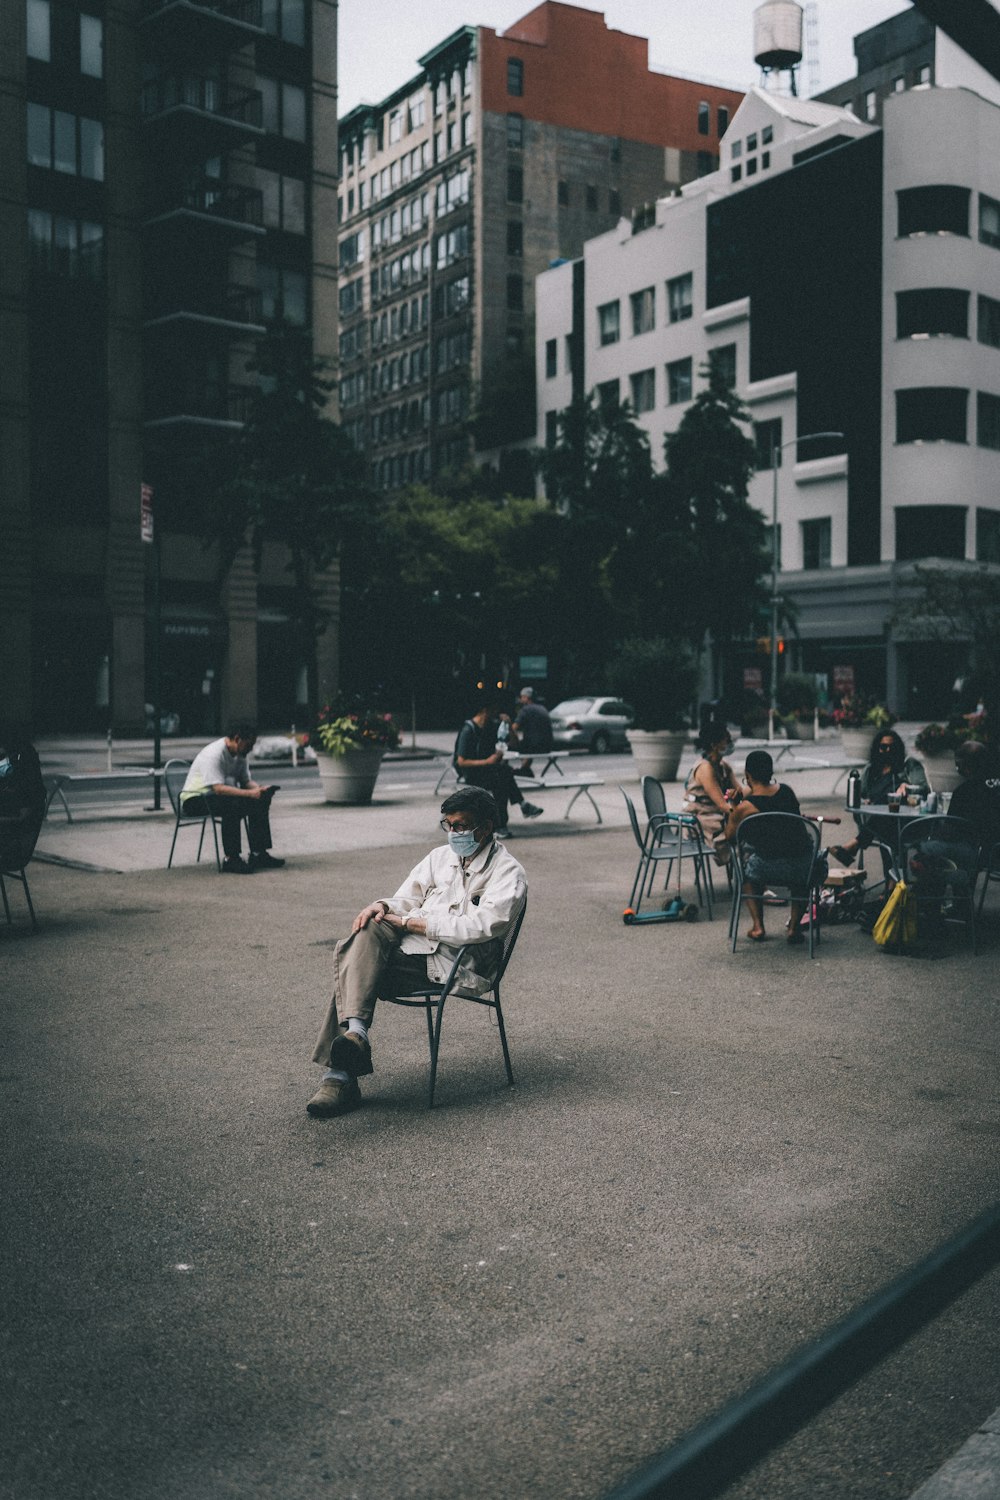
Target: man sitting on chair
469 890
220 785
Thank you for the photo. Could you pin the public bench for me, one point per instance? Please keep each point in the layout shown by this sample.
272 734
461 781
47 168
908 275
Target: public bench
534 786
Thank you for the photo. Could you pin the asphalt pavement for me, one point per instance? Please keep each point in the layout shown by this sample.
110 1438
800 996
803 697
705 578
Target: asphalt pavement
707 1159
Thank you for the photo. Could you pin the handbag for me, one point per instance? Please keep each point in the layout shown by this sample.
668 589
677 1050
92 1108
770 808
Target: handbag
896 928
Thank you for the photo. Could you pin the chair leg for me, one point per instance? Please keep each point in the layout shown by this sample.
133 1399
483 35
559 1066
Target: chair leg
215 838
6 903
201 837
27 897
435 1048
173 841
503 1040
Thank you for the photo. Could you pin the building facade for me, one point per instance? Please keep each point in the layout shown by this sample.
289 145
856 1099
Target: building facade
847 277
504 153
168 191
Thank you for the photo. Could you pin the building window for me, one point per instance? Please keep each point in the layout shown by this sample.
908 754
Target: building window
767 135
736 150
515 185
929 531
65 143
680 297
816 544
988 536
898 84
60 246
515 132
932 311
608 394
562 193
283 112
551 428
284 205
752 167
767 443
551 358
933 210
92 46
591 198
752 141
871 105
679 381
609 323
283 295
515 294
704 118
987 420
989 221
515 237
643 310
765 160
735 173
515 77
614 202
931 414
988 322
722 120
924 75
39 40
643 388
723 363
286 19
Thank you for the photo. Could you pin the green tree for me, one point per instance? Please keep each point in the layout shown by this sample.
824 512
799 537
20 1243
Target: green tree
959 602
296 481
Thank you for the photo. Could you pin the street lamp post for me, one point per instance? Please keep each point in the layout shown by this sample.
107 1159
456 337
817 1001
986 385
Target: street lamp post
777 448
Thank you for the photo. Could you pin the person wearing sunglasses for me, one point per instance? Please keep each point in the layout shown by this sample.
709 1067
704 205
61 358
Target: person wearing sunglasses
890 772
468 890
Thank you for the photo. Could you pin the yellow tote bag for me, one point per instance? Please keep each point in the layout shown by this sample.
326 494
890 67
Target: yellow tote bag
897 925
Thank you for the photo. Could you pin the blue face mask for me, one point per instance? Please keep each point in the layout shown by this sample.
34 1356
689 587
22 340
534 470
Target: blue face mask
463 842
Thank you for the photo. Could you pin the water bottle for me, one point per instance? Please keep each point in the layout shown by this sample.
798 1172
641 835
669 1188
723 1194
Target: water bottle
503 733
854 789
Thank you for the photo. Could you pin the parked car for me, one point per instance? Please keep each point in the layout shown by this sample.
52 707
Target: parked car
596 724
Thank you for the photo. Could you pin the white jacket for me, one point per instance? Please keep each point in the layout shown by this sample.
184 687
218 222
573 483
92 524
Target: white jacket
476 904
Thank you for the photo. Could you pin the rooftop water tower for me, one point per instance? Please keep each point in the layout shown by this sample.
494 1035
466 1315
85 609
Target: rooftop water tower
777 40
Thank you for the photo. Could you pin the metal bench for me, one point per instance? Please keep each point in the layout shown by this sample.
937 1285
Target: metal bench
578 785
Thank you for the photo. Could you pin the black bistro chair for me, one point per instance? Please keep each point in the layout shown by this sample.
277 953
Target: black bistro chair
754 825
17 845
668 836
175 775
432 996
940 860
668 826
990 866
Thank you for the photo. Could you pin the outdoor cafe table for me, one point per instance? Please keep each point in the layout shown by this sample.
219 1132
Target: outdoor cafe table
905 814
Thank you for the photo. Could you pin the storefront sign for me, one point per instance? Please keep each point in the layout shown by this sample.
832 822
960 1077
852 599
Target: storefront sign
753 680
843 681
536 667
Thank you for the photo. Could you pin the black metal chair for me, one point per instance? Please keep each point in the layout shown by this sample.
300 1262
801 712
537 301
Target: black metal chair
17 845
990 867
174 776
665 839
940 861
432 996
743 845
667 827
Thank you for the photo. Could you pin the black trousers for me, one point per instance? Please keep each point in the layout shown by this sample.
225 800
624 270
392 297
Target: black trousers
499 780
231 811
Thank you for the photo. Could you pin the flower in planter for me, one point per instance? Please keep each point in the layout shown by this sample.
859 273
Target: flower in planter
352 724
942 739
862 713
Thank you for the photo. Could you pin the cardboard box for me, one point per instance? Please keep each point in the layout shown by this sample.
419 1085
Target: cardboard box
843 879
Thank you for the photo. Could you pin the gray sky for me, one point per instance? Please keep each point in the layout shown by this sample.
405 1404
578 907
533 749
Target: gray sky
380 40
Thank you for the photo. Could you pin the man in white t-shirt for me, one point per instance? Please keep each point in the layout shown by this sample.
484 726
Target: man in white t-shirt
219 785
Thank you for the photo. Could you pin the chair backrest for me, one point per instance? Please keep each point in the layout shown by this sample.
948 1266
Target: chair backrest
957 836
780 824
654 797
632 818
175 775
510 938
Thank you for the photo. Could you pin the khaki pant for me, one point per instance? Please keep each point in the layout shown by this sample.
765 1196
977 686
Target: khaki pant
367 965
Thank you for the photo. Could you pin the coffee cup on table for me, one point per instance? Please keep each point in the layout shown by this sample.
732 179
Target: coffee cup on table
893 804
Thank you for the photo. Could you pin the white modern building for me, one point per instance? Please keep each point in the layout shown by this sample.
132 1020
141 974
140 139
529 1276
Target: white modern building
847 275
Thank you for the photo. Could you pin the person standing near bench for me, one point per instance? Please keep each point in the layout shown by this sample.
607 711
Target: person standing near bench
479 763
219 785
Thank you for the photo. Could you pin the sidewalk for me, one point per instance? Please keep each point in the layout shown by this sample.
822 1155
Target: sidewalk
707 1159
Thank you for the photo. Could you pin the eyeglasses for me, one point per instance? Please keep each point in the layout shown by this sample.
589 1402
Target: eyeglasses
887 745
447 827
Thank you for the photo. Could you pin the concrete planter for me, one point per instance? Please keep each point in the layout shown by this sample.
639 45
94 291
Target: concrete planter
941 772
857 742
657 752
350 778
800 729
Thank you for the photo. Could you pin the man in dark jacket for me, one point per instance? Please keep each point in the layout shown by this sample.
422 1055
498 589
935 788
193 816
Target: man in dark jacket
532 728
479 763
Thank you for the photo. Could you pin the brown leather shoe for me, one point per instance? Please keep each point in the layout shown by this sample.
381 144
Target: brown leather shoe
352 1053
334 1098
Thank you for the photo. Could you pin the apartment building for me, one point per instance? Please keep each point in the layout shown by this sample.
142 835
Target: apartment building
847 278
167 188
504 153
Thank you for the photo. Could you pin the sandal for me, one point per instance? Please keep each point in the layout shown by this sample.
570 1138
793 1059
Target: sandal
756 937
